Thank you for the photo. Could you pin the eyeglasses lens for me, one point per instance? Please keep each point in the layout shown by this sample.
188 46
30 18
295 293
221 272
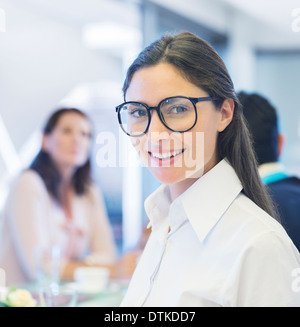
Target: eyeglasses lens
178 114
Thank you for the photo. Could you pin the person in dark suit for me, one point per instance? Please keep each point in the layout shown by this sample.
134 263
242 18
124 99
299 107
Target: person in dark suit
262 121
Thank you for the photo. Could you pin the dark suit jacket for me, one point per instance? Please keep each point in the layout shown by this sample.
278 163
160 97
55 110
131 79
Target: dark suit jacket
286 193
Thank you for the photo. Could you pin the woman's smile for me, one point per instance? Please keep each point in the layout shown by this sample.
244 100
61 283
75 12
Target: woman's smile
165 157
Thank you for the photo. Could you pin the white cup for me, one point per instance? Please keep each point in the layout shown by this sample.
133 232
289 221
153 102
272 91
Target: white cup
91 279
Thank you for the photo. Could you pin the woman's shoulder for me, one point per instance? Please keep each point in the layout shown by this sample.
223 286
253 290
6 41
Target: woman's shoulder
25 187
29 179
252 234
30 175
254 221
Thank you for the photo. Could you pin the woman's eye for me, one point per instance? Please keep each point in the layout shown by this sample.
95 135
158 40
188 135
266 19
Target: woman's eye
138 113
66 130
86 134
177 110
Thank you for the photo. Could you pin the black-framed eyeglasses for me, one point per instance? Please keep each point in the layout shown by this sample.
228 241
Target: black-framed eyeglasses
177 113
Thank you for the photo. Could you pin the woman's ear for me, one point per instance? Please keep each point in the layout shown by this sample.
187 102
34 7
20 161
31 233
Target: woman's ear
226 112
45 142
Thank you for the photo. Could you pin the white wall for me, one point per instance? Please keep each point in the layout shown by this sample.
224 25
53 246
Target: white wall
40 61
278 78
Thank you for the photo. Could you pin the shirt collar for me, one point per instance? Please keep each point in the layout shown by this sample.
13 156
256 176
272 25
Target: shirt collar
157 209
203 204
207 199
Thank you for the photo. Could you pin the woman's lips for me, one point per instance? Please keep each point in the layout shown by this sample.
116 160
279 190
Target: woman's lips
165 155
166 158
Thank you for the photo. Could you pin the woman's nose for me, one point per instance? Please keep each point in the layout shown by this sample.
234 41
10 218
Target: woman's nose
76 137
157 130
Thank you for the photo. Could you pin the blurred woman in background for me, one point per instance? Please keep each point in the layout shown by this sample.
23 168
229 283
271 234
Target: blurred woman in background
55 204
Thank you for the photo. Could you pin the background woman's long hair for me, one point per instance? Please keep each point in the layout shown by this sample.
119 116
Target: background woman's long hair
200 64
46 168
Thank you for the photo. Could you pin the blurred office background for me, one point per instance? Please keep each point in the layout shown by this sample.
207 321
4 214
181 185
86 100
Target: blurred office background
57 53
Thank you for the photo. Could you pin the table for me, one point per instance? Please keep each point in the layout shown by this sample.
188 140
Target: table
110 297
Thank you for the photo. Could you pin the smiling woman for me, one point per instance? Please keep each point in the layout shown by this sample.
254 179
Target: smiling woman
54 205
214 241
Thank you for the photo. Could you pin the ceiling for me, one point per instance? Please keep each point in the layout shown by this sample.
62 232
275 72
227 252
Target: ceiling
272 24
81 12
277 13
275 17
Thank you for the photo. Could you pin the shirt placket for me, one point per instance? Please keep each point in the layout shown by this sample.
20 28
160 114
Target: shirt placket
156 269
164 243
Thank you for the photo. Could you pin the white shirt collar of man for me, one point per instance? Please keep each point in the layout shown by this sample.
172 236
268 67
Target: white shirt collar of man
203 204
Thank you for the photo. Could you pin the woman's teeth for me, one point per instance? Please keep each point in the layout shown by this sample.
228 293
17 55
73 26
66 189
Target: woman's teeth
166 155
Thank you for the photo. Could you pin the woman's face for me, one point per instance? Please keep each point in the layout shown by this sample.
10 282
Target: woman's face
186 156
69 142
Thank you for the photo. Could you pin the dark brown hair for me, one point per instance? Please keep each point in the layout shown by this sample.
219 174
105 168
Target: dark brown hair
200 64
46 168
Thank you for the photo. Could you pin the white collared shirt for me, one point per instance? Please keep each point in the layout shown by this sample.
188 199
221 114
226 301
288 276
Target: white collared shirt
223 250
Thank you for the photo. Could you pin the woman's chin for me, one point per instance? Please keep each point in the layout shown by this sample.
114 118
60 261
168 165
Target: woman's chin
175 175
167 175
